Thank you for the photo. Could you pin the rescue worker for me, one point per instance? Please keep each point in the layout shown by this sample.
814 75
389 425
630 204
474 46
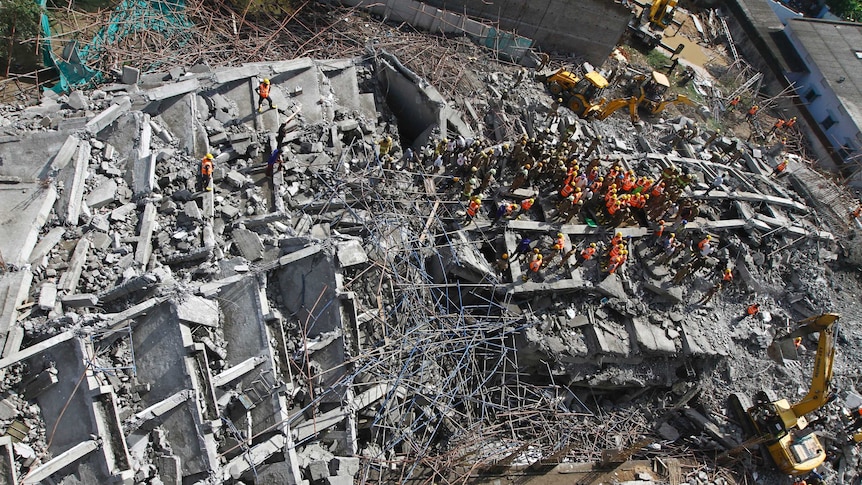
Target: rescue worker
472 209
384 145
779 169
790 123
263 94
207 172
274 157
779 124
857 212
716 183
523 247
534 266
752 309
751 112
587 254
502 263
733 103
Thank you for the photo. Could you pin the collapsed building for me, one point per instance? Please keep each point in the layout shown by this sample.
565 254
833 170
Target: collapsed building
344 318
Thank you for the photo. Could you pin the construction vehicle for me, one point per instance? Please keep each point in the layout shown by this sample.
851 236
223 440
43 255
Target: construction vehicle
654 18
649 92
578 94
794 449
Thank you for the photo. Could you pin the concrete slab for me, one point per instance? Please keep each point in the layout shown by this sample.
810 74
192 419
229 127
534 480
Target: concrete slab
179 115
73 177
172 90
309 291
69 279
109 116
66 152
308 80
248 337
249 244
343 84
65 459
29 157
195 310
161 350
650 338
145 233
14 291
351 253
26 208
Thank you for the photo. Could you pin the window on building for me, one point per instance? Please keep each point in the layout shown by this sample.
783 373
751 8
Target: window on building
828 122
811 96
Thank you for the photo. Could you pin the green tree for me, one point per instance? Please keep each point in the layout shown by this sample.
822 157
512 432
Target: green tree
19 19
847 9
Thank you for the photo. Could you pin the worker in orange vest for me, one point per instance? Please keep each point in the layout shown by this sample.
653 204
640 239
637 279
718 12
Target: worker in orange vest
526 204
473 209
535 266
779 169
733 103
790 123
263 94
727 277
751 112
703 242
587 254
207 172
752 309
856 213
777 126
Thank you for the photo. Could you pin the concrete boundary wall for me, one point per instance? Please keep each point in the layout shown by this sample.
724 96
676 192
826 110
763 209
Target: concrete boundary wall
589 28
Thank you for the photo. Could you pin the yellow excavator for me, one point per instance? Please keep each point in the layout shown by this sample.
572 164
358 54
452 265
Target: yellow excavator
655 18
649 92
794 449
578 94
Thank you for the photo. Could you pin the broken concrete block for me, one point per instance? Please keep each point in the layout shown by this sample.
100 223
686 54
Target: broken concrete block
192 211
351 253
100 222
104 194
48 296
73 176
348 125
172 90
318 470
80 300
345 466
78 100
131 75
612 286
69 280
169 469
229 211
249 244
235 179
106 118
666 289
39 384
198 311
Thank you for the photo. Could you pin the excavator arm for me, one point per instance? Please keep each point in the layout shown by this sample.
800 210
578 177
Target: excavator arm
681 99
615 104
821 382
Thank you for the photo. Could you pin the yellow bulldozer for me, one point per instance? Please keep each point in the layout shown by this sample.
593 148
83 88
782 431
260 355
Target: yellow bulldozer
581 95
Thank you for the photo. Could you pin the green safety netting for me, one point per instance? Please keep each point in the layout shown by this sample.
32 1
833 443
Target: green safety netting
166 17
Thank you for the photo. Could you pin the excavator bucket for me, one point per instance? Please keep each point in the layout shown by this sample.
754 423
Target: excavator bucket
781 350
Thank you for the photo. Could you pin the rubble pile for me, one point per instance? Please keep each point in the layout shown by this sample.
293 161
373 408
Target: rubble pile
332 304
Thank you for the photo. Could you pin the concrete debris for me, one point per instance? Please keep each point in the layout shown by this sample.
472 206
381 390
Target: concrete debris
372 283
